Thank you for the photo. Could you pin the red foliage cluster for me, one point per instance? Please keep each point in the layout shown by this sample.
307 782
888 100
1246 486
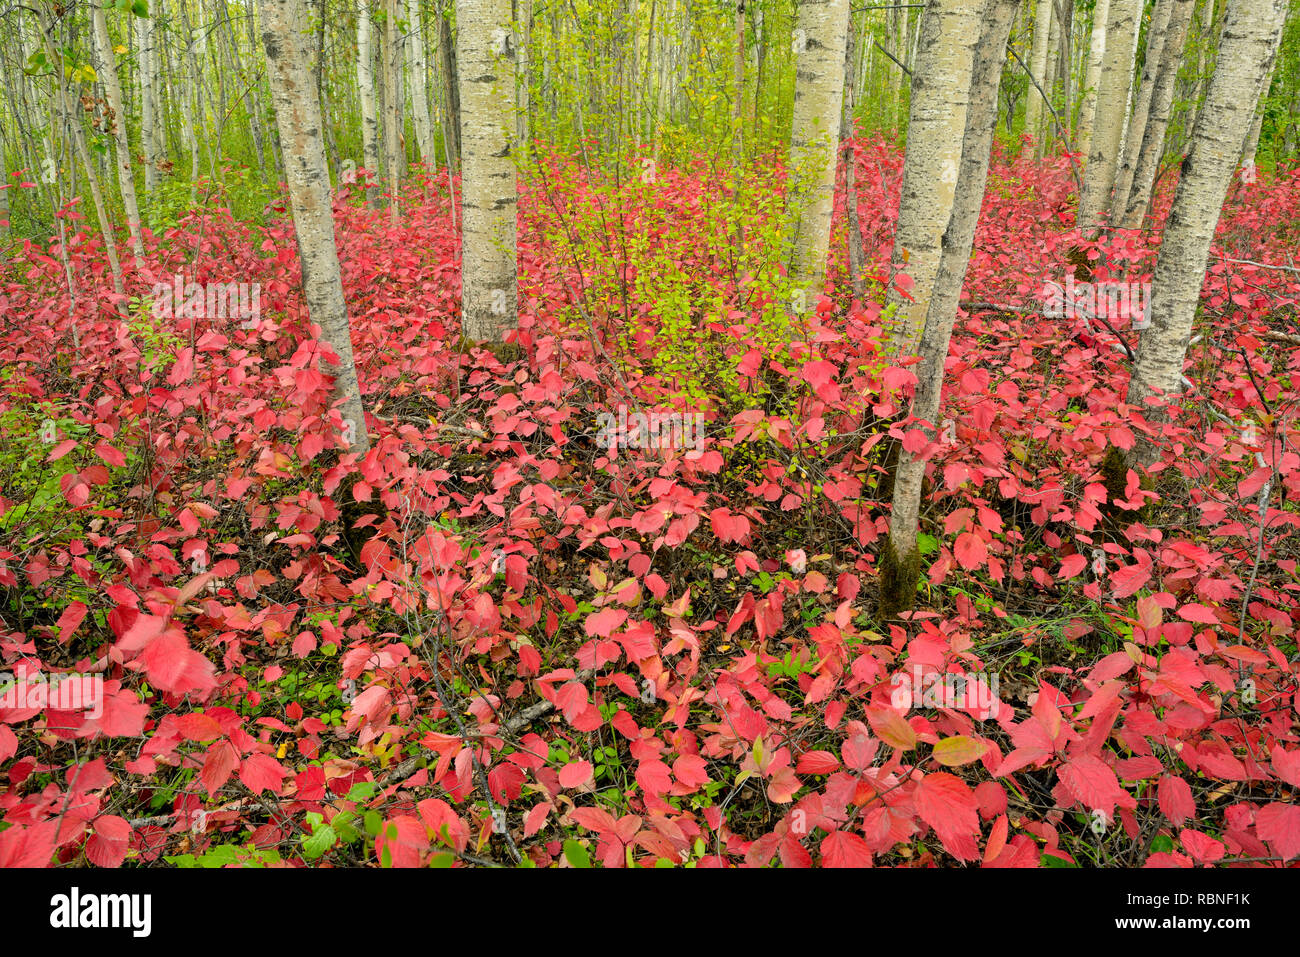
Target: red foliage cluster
527 611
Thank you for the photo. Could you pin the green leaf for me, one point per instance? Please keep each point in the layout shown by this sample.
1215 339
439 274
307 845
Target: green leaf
576 854
321 840
140 8
439 860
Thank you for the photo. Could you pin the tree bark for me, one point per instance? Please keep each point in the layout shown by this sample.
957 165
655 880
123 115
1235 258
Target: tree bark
941 82
489 260
1096 51
1157 34
121 146
818 95
901 566
297 115
1162 98
1250 36
417 73
1034 104
1112 105
369 107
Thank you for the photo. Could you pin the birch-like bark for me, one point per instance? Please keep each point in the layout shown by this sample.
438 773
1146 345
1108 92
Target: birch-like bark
489 260
1157 33
78 135
369 107
451 89
1112 105
418 70
1162 98
297 115
394 153
145 33
121 146
820 38
1034 105
941 83
981 117
1096 50
1251 32
1252 138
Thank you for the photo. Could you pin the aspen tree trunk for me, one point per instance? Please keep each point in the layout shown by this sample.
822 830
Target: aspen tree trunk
1162 98
255 100
297 115
489 266
1157 34
900 566
121 146
78 135
1112 104
1250 36
451 89
523 98
417 71
148 70
369 107
1257 127
394 153
941 81
1044 133
1034 107
818 93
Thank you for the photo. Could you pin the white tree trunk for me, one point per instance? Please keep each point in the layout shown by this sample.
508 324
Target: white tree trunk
1257 127
940 94
818 95
297 115
1096 51
145 32
417 76
369 107
489 259
1034 105
901 568
121 146
394 151
1250 36
1112 105
1157 33
1162 98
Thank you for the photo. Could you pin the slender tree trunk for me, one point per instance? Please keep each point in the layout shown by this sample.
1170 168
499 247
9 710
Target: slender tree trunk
369 107
1112 105
145 33
854 231
1157 34
1257 127
489 267
941 82
738 73
1034 105
418 70
78 136
451 89
900 565
394 152
819 87
1250 36
1162 98
121 146
297 114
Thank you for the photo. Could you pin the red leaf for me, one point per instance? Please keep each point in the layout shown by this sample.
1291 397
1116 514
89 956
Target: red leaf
1093 783
261 772
842 849
575 774
1279 824
110 455
970 550
944 802
817 762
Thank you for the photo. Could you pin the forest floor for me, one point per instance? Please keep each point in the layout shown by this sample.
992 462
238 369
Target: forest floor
511 632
